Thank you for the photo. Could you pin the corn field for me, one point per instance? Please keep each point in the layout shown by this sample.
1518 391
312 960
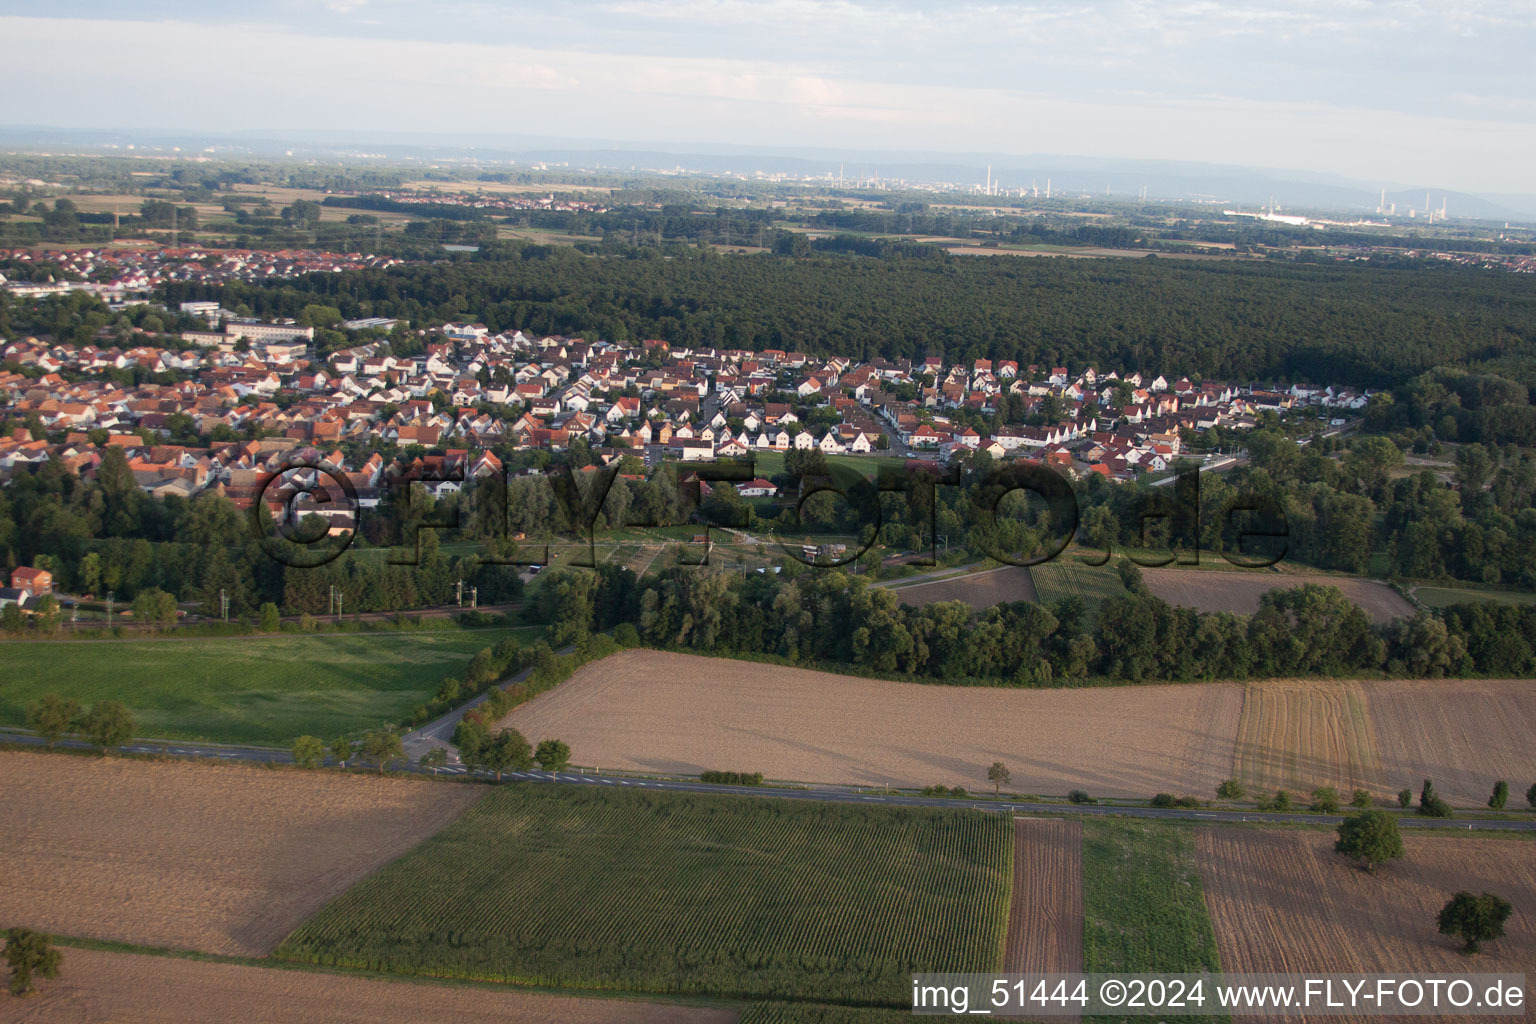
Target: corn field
612 888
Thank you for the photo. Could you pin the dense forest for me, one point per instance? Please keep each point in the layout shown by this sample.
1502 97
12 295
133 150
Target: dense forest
1326 324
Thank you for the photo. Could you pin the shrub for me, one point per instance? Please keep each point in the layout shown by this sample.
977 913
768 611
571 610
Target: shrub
1077 796
1430 804
308 751
959 793
1231 789
1325 800
1362 798
1437 808
1530 795
1281 801
626 635
1500 795
1169 800
1404 798
732 778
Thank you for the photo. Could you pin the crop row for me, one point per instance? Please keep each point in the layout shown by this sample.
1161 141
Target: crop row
609 888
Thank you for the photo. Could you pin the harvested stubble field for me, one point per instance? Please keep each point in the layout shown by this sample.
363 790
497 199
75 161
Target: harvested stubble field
651 711
980 590
98 987
1045 924
1240 592
1465 734
215 858
1299 734
1284 901
1383 735
642 891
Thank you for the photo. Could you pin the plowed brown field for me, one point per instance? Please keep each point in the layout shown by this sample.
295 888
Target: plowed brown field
217 858
1301 734
1045 923
1285 902
125 988
1239 592
676 713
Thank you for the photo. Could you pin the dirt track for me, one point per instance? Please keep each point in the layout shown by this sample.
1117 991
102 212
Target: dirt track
677 713
125 988
980 590
217 858
1045 922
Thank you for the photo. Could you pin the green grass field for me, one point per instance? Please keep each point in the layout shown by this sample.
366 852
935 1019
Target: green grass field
1067 577
1444 597
608 888
1143 904
263 689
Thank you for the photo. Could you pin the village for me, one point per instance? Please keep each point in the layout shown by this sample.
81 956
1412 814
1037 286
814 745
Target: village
252 394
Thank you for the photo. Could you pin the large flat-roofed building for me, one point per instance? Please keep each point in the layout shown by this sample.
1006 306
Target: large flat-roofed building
257 332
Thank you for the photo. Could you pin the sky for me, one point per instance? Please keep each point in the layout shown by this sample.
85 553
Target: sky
1420 92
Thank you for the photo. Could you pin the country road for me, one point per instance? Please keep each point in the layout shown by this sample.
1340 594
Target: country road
830 794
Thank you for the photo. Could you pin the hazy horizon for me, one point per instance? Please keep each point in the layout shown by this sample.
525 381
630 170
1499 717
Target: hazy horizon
1386 93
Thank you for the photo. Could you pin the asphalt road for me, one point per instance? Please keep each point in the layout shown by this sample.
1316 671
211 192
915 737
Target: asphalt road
830 794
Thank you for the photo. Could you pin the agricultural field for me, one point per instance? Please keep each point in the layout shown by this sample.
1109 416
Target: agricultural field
1465 734
263 689
98 986
652 711
1065 577
1301 734
1045 925
1444 597
1383 735
1239 592
1283 900
215 858
650 892
1143 909
980 590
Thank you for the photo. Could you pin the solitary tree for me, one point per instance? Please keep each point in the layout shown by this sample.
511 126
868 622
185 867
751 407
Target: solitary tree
434 759
383 746
341 750
1405 798
1362 798
308 751
1230 789
1476 919
1370 837
552 755
998 775
1325 800
270 621
108 724
1530 795
51 716
28 953
1500 795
